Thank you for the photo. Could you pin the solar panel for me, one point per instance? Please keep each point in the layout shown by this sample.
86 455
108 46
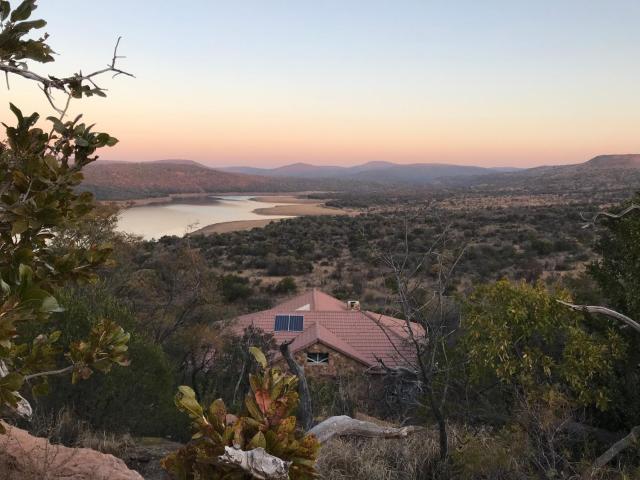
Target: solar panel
291 323
296 323
282 323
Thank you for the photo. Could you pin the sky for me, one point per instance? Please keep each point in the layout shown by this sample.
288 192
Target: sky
271 82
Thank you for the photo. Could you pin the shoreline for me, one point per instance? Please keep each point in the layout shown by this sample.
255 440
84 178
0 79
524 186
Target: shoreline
234 226
292 207
172 197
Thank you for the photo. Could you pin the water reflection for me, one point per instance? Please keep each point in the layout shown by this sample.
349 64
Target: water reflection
185 215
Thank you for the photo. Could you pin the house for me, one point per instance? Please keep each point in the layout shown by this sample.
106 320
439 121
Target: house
331 336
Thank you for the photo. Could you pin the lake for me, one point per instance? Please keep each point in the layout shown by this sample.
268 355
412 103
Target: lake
181 217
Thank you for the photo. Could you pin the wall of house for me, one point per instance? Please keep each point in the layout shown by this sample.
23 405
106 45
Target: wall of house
352 388
338 363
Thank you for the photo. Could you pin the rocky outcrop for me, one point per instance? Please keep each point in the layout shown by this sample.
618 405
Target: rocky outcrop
25 457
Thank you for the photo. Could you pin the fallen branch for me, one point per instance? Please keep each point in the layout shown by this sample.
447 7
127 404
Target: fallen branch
615 449
257 463
604 311
345 426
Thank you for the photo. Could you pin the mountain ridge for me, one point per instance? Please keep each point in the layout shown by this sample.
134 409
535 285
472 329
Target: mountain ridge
128 180
375 171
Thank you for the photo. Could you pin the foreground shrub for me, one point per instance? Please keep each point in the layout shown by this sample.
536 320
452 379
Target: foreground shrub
267 423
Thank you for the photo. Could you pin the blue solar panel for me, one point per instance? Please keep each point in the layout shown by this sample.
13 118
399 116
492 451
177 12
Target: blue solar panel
291 323
282 323
296 323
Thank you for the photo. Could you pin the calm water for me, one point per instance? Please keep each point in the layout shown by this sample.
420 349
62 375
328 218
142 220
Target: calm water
154 221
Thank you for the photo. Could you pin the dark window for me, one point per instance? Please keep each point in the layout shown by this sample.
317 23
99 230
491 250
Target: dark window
317 358
291 323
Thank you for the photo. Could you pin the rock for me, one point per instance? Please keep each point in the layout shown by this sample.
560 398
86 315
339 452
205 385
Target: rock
25 457
145 455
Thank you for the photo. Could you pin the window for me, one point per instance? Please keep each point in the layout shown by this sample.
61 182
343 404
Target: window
289 323
317 358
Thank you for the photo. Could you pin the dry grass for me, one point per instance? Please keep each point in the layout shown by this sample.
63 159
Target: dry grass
380 459
116 445
66 429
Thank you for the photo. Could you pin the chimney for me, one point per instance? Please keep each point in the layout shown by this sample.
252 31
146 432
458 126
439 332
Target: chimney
353 305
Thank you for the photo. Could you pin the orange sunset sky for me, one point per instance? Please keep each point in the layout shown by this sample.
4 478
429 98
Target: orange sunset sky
265 83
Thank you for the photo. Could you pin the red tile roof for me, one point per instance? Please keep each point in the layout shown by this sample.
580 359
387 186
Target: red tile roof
363 336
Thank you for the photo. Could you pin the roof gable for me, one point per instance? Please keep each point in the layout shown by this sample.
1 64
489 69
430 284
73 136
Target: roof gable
316 333
361 335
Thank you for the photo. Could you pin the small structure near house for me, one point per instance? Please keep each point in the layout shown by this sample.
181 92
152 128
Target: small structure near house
332 337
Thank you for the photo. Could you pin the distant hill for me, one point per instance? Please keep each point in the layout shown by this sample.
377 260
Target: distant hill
127 180
379 172
630 160
615 172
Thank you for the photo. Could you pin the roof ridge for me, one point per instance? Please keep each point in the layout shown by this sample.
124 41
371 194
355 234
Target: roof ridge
360 356
371 315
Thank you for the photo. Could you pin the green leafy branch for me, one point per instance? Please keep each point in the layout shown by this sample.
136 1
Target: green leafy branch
15 50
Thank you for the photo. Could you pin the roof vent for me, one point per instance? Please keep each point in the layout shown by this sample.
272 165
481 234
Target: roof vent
353 305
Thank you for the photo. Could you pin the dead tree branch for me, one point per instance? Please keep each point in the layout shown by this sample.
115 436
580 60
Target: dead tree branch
305 409
593 219
257 463
71 85
604 311
345 426
615 449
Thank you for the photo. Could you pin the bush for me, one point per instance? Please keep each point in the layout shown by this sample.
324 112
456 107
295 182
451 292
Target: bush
143 390
285 286
269 423
235 288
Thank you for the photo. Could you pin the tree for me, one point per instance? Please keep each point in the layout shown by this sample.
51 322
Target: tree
618 274
520 335
170 288
431 321
39 176
618 269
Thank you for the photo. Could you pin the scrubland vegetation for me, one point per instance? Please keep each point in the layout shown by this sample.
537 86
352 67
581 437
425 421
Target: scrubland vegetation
512 379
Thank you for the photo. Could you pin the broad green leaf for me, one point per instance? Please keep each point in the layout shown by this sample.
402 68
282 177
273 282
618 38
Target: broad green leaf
23 11
259 356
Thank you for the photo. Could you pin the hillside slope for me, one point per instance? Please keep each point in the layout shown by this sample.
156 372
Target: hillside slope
610 172
380 172
124 180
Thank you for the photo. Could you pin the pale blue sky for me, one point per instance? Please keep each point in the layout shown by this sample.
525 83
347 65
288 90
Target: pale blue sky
271 82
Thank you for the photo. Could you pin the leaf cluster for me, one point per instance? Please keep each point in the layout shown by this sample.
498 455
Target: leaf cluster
267 422
520 335
14 48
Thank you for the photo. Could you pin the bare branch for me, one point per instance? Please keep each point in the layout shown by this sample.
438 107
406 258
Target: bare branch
615 449
306 411
65 84
49 373
593 220
603 311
